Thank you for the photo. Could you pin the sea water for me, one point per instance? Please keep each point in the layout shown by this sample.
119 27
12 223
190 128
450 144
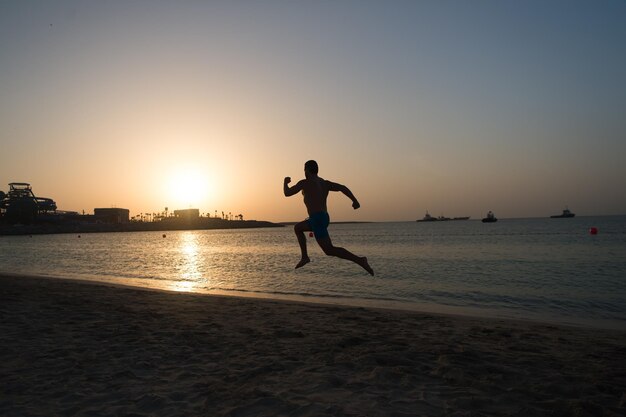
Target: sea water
551 270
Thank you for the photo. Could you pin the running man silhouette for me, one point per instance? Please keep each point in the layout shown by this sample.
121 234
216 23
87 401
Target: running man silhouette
315 191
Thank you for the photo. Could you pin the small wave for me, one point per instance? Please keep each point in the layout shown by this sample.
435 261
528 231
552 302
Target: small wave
305 294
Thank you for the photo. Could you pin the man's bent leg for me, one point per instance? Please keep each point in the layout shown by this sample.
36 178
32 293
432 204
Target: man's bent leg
327 246
299 229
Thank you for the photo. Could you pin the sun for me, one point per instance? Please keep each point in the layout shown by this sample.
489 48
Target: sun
188 187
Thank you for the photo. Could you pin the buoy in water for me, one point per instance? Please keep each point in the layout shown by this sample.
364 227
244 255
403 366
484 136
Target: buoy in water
310 234
593 230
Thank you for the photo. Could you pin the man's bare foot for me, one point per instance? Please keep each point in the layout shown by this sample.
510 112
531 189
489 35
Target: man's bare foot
303 262
366 266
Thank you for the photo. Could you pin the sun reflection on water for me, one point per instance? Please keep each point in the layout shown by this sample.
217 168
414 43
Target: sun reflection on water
190 264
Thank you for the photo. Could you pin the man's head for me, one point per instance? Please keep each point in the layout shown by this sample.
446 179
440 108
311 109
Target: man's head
310 167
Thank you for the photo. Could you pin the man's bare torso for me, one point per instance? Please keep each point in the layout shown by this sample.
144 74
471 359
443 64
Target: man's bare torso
315 192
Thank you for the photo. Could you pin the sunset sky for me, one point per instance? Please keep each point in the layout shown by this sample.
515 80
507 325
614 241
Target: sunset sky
455 107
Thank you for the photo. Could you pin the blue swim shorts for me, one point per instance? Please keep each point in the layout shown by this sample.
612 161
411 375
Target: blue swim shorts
319 224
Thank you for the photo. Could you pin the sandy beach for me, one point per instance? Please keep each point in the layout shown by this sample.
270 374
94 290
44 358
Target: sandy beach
71 348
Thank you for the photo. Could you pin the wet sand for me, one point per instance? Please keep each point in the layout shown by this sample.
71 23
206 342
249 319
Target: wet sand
71 348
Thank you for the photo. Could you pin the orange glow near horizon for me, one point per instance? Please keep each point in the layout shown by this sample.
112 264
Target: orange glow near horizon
189 187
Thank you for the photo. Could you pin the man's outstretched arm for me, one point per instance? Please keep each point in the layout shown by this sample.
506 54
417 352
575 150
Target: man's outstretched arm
289 191
346 191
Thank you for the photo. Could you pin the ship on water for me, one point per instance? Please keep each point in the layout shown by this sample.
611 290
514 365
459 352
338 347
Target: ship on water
428 218
491 218
566 214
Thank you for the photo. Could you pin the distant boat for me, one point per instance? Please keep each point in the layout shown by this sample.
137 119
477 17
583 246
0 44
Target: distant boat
566 214
428 218
491 218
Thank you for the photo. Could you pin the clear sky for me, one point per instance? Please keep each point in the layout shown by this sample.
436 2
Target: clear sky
456 107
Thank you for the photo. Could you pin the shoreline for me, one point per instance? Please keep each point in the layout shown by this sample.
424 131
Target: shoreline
89 348
315 301
340 301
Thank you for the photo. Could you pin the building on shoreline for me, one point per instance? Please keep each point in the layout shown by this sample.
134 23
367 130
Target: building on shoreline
20 205
21 212
187 214
111 215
